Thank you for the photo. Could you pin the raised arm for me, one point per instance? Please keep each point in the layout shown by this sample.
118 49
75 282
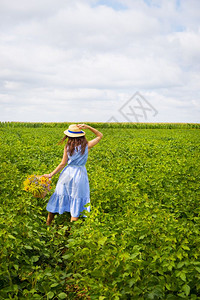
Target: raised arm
98 134
60 166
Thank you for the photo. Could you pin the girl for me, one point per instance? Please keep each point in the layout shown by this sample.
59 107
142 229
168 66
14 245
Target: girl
72 190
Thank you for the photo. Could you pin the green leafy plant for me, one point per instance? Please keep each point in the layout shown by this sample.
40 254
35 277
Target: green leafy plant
141 239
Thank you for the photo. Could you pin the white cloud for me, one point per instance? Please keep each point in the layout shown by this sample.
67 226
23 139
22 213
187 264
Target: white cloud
83 54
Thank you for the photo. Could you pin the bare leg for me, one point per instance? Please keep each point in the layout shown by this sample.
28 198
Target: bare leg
73 219
50 218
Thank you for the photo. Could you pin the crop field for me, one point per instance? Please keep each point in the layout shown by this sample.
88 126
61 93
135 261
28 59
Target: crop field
141 239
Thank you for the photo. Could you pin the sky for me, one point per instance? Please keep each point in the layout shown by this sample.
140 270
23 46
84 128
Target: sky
100 61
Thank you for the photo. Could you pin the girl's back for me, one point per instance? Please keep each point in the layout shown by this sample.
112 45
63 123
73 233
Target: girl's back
77 158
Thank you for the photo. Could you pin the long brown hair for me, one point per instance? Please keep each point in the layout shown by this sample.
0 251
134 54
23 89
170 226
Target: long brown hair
74 142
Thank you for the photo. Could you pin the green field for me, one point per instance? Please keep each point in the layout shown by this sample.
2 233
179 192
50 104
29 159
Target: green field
141 239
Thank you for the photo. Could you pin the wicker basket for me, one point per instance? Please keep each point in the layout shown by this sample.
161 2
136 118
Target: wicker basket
42 196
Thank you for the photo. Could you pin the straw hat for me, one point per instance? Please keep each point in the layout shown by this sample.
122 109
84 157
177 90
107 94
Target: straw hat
74 131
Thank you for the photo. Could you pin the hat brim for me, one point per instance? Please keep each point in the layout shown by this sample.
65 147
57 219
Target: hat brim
70 134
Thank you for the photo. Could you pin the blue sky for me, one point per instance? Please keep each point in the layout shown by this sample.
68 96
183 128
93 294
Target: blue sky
82 61
116 5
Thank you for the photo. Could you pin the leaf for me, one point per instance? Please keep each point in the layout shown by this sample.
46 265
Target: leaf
37 296
185 247
186 289
16 267
182 276
134 255
28 247
50 295
11 236
168 286
102 240
142 237
66 256
179 255
198 269
180 264
54 285
35 258
62 296
131 282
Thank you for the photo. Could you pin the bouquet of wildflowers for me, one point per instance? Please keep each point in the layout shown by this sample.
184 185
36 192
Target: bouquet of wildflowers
38 186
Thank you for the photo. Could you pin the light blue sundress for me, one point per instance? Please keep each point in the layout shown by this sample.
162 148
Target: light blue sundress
72 191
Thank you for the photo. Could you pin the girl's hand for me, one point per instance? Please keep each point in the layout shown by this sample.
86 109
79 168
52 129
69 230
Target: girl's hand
47 175
82 126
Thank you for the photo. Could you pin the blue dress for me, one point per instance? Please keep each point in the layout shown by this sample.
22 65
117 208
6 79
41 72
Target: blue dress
72 190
